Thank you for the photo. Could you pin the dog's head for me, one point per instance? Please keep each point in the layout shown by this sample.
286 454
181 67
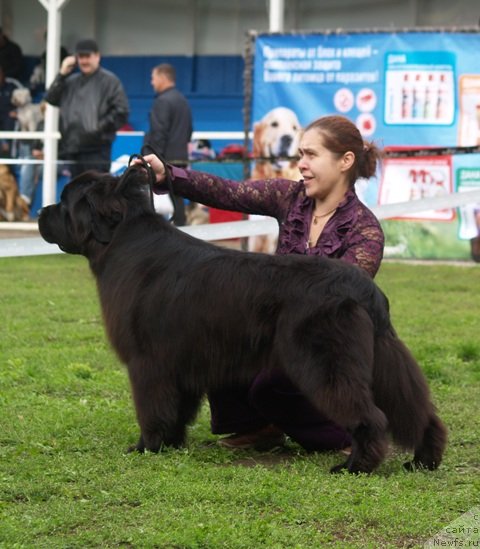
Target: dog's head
91 208
277 134
21 97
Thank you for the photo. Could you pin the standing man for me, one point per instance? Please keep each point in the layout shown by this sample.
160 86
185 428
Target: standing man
170 126
93 106
7 121
11 56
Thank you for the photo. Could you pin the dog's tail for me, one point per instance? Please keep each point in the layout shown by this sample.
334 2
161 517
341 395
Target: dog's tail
401 392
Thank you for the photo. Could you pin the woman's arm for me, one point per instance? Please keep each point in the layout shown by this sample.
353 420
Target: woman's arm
365 248
270 197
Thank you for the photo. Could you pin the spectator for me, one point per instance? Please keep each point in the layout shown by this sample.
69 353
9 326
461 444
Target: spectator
37 78
170 126
11 57
30 173
7 121
93 106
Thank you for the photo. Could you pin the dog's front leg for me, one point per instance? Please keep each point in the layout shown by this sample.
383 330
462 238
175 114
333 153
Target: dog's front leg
139 447
157 403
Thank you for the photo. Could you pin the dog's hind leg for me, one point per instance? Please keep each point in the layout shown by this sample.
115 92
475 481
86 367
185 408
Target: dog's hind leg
401 391
369 444
429 453
333 366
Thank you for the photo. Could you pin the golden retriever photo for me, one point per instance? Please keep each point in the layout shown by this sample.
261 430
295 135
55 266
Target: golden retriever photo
275 141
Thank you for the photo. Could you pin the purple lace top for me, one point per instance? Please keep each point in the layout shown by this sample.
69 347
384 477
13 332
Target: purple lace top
352 234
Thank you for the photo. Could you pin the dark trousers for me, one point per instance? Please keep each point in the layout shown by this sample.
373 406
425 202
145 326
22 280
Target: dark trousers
98 160
179 215
273 398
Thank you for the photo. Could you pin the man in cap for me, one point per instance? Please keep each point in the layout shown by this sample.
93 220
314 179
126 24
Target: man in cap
93 106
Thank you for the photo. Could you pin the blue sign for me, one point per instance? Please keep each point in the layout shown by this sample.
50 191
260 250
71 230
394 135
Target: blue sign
401 89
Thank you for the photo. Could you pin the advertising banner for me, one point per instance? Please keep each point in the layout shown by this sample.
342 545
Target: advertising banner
414 90
411 88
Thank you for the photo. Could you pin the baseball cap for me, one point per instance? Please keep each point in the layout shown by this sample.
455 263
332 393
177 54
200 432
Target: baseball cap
86 46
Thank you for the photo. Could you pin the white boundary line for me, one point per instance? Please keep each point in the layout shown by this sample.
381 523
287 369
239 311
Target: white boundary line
11 247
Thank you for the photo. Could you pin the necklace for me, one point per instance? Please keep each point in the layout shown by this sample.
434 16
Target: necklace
316 217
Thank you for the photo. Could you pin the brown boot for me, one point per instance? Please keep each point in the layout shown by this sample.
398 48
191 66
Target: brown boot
475 247
263 439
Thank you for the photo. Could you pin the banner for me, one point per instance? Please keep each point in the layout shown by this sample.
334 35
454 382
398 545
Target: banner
406 179
413 89
400 88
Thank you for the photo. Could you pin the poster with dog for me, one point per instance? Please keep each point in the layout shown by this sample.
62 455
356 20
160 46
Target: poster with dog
404 89
275 147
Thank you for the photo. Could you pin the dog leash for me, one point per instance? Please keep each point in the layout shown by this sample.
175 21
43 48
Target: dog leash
150 173
168 177
152 179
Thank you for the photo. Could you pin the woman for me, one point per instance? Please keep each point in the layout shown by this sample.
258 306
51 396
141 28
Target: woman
319 215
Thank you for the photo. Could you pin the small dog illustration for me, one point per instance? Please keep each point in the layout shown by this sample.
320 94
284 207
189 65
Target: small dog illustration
275 141
29 114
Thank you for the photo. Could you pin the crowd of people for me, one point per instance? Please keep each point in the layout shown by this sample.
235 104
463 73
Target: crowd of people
87 133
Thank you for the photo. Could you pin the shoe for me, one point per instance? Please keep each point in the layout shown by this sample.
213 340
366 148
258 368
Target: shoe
264 439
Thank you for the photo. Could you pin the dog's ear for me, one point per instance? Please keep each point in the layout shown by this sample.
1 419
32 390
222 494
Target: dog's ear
258 129
97 211
102 227
105 202
88 220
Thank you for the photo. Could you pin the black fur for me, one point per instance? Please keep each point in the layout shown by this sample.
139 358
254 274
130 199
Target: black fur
188 317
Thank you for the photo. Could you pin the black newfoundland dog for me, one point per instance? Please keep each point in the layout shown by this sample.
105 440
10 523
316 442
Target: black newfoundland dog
188 317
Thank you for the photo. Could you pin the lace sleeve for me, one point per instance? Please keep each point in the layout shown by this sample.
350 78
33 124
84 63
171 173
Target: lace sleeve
270 197
366 249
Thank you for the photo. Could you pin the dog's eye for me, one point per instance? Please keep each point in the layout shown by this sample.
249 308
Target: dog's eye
274 124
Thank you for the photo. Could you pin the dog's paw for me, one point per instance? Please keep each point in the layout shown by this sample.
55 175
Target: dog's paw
416 465
339 468
9 216
410 466
135 448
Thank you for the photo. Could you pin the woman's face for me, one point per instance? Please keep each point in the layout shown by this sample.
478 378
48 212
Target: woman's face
323 171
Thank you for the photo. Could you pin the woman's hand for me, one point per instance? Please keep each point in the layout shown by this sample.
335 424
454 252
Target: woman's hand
157 165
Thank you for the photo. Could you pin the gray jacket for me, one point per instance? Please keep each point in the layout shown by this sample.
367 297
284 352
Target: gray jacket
92 108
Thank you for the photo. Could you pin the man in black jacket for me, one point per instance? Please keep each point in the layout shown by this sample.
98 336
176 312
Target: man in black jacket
11 56
170 125
93 106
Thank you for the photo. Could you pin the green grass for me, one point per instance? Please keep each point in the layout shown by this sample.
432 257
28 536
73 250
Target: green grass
66 418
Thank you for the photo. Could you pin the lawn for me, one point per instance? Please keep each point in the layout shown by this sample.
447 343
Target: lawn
66 419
